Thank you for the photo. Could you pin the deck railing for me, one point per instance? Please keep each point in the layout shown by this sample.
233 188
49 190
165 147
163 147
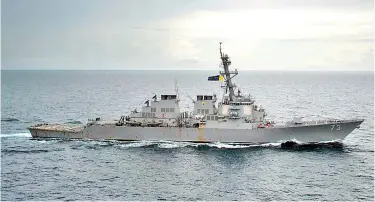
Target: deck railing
321 121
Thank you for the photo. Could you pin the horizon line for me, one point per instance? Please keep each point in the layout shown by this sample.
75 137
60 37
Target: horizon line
276 70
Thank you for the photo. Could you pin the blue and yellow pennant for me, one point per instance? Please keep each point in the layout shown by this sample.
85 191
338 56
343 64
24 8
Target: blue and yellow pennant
216 78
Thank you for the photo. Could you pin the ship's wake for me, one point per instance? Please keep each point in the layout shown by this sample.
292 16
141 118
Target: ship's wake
97 144
9 120
166 145
15 135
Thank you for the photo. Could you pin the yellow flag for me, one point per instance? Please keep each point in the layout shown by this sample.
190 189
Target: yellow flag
221 78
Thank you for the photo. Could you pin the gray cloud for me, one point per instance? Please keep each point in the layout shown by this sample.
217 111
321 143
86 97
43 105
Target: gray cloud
118 34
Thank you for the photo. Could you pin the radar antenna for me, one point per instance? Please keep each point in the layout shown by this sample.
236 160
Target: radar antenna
227 74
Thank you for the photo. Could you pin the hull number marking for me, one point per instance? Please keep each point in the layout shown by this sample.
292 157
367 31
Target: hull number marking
337 127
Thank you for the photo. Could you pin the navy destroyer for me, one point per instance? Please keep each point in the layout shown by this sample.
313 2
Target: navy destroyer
233 118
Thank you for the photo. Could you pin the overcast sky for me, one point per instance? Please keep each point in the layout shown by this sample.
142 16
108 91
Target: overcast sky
185 34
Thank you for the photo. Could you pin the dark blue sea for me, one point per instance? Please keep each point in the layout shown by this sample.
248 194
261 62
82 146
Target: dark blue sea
109 170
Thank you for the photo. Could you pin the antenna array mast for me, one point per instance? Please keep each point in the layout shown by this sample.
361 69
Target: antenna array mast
227 74
176 90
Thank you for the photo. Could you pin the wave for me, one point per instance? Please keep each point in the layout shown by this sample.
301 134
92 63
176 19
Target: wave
73 122
99 144
24 151
308 146
16 135
295 145
35 151
136 144
9 119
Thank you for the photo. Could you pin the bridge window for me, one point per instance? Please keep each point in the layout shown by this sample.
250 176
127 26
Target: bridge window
168 97
199 97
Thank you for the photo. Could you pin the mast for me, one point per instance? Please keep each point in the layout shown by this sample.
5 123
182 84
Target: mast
176 89
227 74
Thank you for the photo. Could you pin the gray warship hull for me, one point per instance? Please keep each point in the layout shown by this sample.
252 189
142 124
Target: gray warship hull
234 119
318 132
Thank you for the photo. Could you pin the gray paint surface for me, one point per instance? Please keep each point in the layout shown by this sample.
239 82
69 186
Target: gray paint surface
303 133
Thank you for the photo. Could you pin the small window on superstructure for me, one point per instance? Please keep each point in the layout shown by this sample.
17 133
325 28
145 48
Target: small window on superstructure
207 97
171 110
143 114
199 97
208 118
166 109
153 115
216 118
162 109
207 111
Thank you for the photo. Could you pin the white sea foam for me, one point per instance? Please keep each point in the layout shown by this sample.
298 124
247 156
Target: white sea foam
137 144
16 135
228 146
170 145
271 144
296 141
51 141
331 141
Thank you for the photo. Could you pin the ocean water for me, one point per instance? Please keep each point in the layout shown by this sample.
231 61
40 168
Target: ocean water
109 170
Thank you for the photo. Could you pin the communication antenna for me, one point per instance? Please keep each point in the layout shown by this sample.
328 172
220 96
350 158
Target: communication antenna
176 89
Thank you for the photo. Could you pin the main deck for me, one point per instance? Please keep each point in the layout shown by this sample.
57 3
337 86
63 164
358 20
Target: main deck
57 128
